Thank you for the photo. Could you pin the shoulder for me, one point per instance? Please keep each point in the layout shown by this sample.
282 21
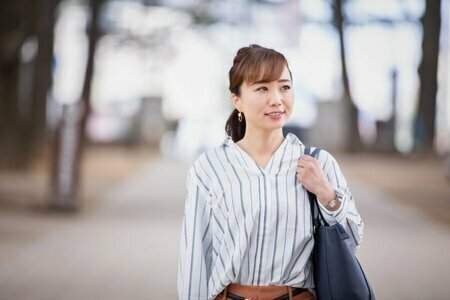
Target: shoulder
204 165
197 176
203 173
208 157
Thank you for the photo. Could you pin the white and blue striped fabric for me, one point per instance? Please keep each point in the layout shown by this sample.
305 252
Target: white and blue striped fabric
252 226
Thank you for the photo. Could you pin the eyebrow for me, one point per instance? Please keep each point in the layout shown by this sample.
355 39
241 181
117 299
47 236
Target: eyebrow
265 81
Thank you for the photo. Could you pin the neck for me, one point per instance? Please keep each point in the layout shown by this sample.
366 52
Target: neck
261 142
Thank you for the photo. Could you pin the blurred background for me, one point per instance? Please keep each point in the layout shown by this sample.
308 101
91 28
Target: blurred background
104 104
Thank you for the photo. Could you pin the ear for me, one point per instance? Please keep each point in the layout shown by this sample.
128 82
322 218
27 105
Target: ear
236 101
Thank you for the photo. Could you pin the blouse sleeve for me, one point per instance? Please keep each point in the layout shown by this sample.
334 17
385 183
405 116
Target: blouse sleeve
347 214
196 241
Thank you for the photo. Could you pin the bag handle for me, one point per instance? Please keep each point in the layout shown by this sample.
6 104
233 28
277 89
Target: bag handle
316 217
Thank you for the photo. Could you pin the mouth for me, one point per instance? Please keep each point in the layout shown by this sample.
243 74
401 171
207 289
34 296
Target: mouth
275 113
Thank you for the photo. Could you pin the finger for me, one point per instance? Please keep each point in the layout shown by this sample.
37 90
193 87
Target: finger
308 162
307 158
304 163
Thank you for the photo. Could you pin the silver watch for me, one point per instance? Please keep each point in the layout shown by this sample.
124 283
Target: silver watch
332 204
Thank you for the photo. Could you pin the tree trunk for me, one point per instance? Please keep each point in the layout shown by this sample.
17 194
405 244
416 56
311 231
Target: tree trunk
10 40
352 138
24 84
424 124
66 173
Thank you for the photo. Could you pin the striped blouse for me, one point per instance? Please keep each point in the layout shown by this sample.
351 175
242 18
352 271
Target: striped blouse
252 226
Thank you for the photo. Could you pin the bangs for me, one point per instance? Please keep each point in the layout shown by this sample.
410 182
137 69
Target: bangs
264 68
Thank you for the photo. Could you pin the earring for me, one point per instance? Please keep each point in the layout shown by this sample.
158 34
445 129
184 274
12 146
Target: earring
240 117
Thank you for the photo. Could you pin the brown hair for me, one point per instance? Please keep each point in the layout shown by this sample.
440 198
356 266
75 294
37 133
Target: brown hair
251 64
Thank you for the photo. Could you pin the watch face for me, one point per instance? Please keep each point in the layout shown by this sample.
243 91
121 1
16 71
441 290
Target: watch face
332 203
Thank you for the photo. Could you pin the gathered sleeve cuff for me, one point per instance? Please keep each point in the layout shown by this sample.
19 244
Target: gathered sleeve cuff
347 215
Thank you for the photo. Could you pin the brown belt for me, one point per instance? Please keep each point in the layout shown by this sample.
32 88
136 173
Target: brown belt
243 292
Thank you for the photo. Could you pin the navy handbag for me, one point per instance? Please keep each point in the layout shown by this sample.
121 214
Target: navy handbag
337 272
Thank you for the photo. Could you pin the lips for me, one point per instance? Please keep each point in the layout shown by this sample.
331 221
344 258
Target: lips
275 113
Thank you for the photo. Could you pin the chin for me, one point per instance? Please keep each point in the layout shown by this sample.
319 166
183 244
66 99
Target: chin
276 126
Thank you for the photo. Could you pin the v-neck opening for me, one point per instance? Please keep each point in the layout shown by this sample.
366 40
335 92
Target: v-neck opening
268 167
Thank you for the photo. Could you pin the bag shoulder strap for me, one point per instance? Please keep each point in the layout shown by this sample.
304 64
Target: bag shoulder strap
314 206
314 153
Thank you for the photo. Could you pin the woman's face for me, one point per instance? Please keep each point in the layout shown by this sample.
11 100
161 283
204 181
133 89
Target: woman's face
266 105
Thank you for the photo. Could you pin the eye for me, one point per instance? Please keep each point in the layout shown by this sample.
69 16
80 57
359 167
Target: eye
262 88
286 87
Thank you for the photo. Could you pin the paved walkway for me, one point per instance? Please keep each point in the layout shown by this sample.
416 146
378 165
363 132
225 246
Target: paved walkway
124 245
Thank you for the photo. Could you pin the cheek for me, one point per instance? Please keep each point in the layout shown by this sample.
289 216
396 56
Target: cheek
289 105
256 105
289 102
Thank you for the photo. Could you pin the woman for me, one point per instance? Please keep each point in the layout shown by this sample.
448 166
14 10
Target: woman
247 230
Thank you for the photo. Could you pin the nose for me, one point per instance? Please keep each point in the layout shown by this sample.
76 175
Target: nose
276 98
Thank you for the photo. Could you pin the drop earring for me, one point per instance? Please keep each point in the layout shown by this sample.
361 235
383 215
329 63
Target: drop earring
240 117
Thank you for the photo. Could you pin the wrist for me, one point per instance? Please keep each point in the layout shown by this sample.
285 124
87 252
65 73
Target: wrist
329 199
326 195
